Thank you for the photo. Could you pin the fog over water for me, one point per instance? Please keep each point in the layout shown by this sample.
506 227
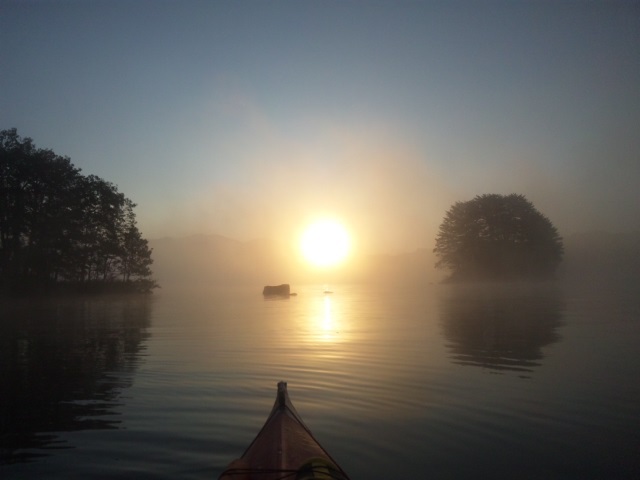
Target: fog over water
519 380
596 259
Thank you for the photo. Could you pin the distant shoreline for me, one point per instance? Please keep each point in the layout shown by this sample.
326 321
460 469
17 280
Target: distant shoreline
136 287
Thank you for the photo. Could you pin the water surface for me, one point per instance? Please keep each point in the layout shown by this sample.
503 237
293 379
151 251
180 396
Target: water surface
439 381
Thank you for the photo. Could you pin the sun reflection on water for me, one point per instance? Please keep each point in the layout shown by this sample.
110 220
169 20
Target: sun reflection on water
325 321
327 326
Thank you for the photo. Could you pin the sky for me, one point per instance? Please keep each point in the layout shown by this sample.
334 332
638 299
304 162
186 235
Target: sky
249 119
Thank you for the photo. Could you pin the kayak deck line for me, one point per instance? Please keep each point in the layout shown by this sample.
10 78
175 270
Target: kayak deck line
284 448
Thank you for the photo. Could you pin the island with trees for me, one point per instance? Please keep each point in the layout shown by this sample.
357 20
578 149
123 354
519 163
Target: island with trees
61 230
497 237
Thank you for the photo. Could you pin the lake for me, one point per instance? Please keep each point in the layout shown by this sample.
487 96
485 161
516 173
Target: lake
431 381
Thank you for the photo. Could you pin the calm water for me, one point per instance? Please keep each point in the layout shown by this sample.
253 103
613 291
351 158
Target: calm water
435 382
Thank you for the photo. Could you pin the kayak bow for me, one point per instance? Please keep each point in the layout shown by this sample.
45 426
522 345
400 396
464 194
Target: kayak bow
284 448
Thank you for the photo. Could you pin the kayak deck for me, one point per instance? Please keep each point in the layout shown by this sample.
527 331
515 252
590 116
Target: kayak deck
284 448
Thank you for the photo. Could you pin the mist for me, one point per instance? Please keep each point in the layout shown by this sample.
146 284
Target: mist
591 260
220 261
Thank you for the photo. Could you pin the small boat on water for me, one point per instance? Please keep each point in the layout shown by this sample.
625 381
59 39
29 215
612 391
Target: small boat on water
284 448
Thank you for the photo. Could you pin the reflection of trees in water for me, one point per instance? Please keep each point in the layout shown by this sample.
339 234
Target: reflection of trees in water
63 364
500 328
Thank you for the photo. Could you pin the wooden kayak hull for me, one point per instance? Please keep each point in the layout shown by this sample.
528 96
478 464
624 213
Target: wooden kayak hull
284 448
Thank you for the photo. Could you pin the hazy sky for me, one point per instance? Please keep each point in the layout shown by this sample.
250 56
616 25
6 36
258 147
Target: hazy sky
247 119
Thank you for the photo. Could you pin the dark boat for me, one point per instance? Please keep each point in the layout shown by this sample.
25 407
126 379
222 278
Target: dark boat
284 448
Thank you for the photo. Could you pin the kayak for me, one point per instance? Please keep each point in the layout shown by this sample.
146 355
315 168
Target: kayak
284 448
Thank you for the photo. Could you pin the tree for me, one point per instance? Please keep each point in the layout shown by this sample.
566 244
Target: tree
135 258
36 190
497 237
57 225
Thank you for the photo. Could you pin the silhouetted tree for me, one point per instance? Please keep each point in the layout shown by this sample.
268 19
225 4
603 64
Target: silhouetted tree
135 257
497 237
36 189
57 225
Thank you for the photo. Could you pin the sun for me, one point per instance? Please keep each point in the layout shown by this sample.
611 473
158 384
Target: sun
325 243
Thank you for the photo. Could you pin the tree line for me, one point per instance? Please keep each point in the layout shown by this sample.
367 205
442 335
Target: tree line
59 227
